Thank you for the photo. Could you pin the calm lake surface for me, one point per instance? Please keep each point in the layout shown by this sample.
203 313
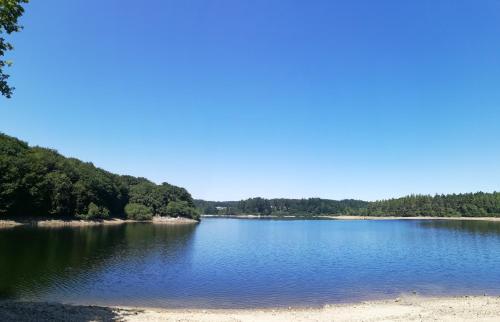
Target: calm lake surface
224 263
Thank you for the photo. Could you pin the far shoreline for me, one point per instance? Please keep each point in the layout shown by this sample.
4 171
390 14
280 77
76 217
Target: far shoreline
411 218
347 217
55 223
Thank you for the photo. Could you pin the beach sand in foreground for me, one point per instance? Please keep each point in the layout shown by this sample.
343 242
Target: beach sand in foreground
468 308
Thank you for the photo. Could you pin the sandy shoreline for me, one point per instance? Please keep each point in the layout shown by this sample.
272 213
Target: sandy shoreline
85 223
179 220
465 308
342 217
9 223
411 218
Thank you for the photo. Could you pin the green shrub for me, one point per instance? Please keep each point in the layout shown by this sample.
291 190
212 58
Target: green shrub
138 212
182 209
95 212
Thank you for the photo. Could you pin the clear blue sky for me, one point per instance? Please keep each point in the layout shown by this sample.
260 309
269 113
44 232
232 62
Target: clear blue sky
234 99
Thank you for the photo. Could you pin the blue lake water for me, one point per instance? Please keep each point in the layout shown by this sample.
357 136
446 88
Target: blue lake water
238 263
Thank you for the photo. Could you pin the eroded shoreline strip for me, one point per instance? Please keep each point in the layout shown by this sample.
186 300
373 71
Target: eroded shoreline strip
55 223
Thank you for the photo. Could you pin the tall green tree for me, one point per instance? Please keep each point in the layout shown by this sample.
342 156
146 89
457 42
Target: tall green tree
10 11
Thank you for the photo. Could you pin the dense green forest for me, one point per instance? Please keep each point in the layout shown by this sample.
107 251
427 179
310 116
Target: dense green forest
455 205
281 207
39 182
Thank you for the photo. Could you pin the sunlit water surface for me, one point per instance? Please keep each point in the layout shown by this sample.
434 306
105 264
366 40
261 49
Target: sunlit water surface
227 263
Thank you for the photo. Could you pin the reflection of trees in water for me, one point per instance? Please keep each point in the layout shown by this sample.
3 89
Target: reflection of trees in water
144 240
34 258
470 226
137 234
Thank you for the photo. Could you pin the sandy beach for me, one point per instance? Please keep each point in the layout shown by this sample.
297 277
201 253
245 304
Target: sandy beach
466 308
172 221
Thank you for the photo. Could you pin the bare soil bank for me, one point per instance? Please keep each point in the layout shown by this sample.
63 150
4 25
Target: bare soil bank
84 223
475 308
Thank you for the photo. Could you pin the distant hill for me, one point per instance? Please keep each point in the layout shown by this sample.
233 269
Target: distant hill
281 207
478 204
39 182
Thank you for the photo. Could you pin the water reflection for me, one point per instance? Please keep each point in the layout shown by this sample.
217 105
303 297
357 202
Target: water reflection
227 263
34 260
471 226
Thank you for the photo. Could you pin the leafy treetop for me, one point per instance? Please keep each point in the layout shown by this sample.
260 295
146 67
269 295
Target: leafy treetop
10 11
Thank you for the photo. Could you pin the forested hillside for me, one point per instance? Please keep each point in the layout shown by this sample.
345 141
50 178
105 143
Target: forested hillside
39 182
455 205
281 207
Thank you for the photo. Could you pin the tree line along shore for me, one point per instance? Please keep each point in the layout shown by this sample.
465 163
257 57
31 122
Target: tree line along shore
478 204
38 183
